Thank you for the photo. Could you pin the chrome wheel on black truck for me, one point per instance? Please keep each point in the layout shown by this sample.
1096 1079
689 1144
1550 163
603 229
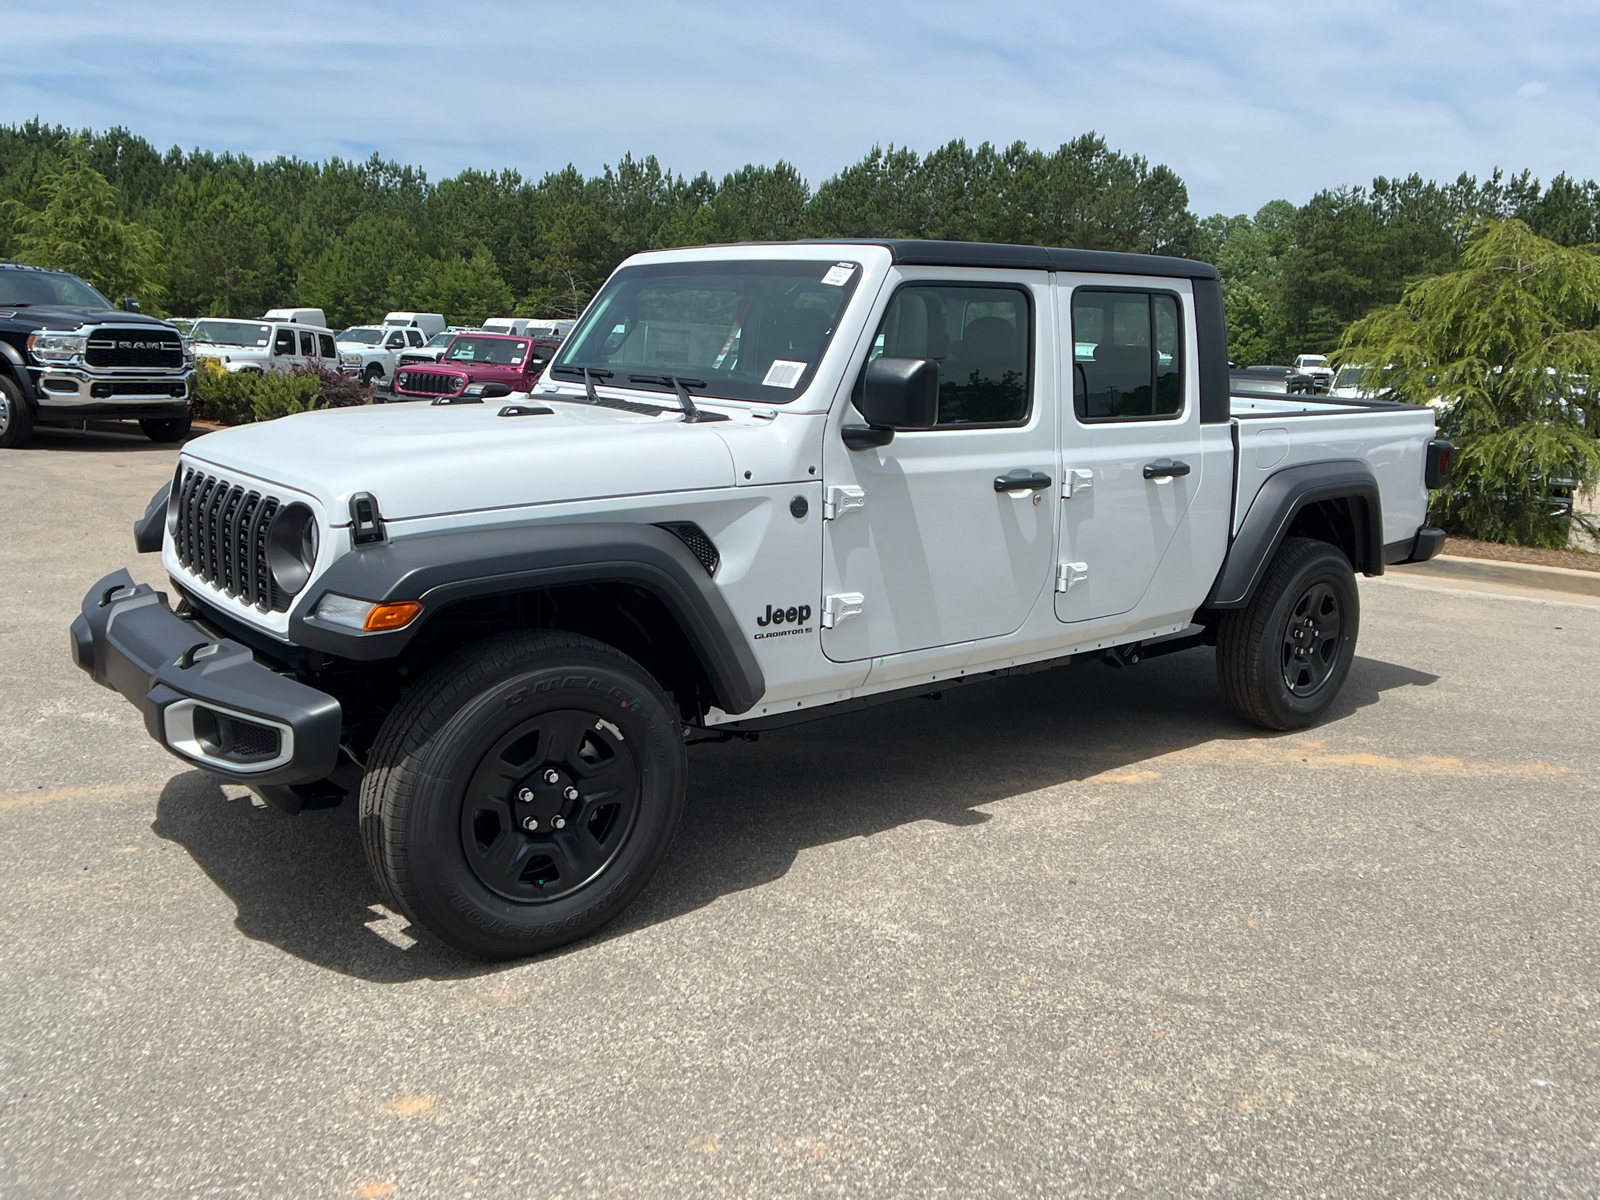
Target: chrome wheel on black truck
523 793
16 421
1282 658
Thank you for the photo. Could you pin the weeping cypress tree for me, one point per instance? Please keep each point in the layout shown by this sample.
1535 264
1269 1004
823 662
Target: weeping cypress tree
1507 348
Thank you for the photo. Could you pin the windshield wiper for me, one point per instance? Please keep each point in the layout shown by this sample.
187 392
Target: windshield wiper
591 396
691 414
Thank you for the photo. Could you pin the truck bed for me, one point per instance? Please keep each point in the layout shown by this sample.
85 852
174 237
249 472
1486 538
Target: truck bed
1274 431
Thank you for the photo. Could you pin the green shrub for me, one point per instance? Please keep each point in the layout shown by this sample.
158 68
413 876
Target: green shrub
239 399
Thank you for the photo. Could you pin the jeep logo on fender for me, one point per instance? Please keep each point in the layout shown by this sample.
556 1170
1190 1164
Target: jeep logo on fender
796 615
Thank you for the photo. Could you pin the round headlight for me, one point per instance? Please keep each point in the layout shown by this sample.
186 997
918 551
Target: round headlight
292 547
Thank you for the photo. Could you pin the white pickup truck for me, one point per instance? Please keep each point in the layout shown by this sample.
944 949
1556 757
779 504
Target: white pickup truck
1317 368
834 474
373 351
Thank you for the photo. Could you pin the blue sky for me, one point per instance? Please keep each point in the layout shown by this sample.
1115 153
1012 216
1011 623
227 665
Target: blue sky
1247 101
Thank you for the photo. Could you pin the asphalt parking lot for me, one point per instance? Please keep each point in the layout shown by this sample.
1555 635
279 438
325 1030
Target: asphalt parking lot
1078 933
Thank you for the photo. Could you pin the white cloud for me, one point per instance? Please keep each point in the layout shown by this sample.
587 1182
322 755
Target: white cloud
1246 101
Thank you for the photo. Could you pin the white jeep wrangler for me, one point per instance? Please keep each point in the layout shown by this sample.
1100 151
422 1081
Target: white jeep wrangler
757 485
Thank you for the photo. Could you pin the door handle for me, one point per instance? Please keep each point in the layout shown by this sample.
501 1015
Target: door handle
1165 468
1023 481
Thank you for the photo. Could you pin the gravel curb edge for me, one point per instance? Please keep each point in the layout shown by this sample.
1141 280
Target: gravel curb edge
1493 570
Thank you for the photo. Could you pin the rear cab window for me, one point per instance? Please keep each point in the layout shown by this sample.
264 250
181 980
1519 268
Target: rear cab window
1127 354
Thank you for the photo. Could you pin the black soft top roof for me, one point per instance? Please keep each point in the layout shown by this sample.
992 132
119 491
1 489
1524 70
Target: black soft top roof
927 253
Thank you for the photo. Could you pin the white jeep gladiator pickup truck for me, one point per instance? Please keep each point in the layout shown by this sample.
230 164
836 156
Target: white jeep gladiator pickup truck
757 485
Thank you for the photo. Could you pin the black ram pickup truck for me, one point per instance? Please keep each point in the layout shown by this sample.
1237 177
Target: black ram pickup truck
67 355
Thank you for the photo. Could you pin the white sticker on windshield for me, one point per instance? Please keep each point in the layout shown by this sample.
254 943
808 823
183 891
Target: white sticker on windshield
839 274
783 373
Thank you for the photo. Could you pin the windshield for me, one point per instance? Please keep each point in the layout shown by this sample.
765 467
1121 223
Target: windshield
231 333
749 330
367 337
20 288
1350 377
495 351
441 339
1313 360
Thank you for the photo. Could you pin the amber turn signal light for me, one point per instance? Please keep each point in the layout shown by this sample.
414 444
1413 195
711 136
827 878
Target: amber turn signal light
397 615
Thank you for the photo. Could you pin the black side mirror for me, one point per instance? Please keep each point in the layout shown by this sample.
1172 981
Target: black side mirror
129 304
896 393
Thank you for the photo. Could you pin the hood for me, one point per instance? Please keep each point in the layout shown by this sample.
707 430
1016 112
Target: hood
425 460
44 316
217 349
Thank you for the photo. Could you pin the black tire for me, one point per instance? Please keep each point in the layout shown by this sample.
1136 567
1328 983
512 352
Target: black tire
166 429
1282 658
372 375
16 418
578 726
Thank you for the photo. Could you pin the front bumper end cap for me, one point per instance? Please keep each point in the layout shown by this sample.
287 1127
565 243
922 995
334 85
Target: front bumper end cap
207 700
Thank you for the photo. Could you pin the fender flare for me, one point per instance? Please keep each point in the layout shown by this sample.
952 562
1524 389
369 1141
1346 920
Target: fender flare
17 367
442 568
1274 509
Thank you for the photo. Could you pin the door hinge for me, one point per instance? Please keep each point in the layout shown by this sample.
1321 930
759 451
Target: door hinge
841 607
1069 575
839 500
1075 480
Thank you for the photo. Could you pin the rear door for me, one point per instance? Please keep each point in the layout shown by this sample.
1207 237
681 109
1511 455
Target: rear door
285 348
1131 449
921 549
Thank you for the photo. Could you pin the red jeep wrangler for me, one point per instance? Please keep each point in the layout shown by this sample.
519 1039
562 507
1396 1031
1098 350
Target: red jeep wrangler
471 358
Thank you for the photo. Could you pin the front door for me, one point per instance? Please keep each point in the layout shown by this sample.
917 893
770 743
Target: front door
1131 452
923 549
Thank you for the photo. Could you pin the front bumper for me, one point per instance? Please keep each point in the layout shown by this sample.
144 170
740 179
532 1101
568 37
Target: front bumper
205 699
73 390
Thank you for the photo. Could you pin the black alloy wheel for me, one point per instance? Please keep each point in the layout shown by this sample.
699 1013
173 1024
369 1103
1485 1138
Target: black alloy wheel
523 792
1311 639
550 805
1282 658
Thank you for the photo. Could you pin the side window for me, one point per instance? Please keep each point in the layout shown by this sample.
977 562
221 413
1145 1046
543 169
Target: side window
283 342
413 337
397 341
329 350
1127 355
308 344
981 339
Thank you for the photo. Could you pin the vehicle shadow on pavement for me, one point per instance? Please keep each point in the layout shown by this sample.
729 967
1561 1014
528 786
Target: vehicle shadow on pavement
99 440
301 883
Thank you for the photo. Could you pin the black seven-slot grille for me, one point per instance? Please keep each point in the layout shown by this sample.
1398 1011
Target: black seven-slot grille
134 348
432 383
222 538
